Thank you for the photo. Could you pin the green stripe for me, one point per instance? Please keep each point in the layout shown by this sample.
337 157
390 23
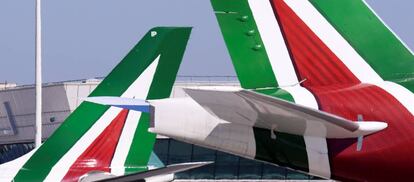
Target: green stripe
73 128
278 93
138 155
244 44
161 87
368 35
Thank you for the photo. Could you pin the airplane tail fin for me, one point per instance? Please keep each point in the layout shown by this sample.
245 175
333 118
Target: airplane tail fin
315 53
108 139
272 42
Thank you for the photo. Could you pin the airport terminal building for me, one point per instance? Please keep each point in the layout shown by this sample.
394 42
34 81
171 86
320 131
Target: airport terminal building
17 107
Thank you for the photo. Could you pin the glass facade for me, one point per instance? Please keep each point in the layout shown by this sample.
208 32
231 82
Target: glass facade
9 152
169 151
225 166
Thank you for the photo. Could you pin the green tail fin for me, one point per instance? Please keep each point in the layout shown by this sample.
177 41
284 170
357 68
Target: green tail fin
96 137
244 43
354 20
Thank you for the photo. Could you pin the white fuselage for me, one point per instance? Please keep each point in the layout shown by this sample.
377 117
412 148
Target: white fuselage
184 119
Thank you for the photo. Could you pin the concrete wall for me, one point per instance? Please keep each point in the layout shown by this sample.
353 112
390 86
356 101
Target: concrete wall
17 109
17 106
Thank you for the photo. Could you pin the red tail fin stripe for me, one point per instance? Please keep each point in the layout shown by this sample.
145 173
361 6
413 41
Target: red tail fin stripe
369 100
296 34
308 40
320 62
98 156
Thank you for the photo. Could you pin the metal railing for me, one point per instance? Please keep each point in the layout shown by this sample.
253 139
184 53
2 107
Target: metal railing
180 79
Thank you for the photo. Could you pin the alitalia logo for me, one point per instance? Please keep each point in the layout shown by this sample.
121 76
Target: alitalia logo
316 53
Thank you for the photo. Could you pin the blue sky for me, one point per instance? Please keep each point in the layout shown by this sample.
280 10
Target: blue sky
87 38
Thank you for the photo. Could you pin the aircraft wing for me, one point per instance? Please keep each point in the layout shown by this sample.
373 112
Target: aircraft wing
262 111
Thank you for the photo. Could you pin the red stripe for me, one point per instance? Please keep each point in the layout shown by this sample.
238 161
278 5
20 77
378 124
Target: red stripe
313 59
98 156
385 156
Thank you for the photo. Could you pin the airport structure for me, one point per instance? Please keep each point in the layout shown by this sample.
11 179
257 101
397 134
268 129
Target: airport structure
17 106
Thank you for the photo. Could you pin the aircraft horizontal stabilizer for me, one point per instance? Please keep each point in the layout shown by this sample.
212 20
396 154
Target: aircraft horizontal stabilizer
258 110
151 175
124 103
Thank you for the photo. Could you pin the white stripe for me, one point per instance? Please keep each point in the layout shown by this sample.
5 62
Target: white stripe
345 52
139 89
335 42
402 94
273 42
302 96
318 159
124 143
285 75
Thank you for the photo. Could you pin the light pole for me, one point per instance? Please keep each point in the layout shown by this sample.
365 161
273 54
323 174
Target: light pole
38 73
